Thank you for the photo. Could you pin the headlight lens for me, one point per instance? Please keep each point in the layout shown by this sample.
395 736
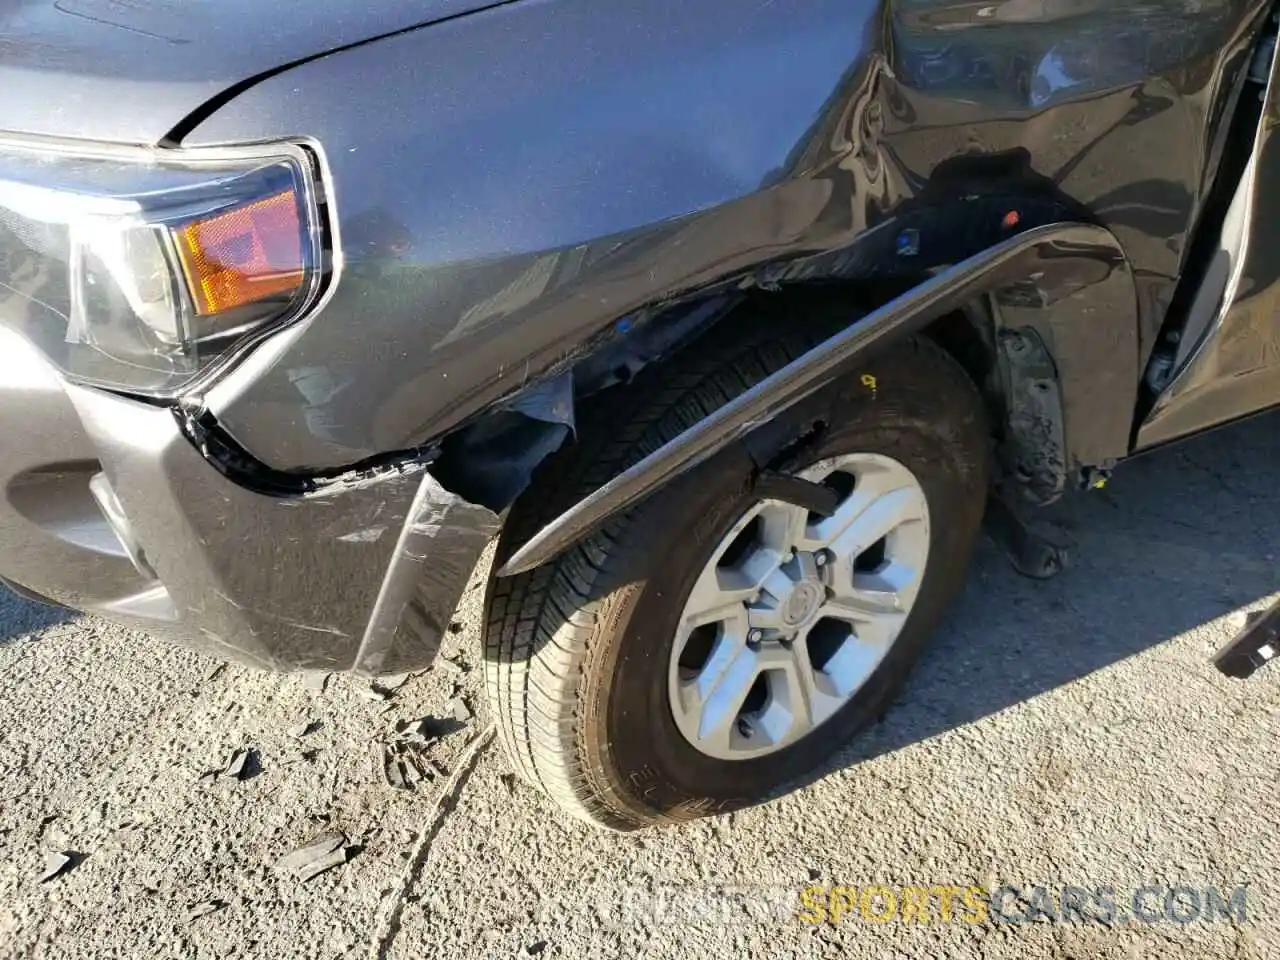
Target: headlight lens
138 273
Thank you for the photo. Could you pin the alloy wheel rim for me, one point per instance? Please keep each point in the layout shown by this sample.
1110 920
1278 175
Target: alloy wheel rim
793 612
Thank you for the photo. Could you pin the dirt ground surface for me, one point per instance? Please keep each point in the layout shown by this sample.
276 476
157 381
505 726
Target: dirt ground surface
1071 732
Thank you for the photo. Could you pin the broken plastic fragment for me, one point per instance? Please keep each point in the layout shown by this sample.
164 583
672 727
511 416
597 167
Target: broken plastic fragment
56 864
400 773
392 682
304 729
403 768
394 772
458 709
315 681
324 852
203 909
242 764
425 730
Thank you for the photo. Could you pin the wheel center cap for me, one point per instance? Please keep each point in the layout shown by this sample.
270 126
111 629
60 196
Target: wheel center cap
802 603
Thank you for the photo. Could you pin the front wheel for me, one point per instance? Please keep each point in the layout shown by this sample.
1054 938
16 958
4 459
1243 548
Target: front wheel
715 644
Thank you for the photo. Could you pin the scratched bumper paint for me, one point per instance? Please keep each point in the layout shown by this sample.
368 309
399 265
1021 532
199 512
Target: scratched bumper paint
362 574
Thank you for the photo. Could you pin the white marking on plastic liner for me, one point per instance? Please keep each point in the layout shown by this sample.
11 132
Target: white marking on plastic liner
364 536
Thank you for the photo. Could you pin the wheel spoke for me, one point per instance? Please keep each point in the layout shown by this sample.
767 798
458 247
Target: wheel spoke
720 690
877 518
783 528
872 623
874 481
717 595
814 701
722 587
852 663
866 604
891 588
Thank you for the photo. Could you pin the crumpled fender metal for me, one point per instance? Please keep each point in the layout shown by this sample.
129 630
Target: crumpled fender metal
1070 282
509 185
333 578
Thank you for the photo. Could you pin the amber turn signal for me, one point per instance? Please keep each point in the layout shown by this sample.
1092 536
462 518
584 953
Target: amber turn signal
243 255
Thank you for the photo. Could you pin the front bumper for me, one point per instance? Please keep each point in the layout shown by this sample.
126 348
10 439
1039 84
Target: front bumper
106 506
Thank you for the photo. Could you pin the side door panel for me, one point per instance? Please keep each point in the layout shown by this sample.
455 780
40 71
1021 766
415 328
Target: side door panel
1233 369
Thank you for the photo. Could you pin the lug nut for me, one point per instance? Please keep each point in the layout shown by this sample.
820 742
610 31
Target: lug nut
744 726
754 638
820 558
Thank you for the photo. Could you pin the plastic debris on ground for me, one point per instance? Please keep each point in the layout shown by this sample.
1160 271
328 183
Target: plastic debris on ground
241 765
305 729
213 671
324 852
449 667
203 909
57 863
391 683
403 757
315 681
404 767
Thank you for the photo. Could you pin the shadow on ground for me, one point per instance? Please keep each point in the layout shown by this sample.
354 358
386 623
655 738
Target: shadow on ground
20 617
1180 537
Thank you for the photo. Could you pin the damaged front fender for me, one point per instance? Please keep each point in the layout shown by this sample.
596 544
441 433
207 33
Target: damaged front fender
1068 279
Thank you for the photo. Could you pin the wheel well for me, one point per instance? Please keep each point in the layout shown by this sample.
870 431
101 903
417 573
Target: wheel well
491 460
968 335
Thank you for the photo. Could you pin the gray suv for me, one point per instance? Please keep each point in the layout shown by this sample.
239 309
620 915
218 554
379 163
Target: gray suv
730 322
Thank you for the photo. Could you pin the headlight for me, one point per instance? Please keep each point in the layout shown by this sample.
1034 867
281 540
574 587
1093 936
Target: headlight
138 270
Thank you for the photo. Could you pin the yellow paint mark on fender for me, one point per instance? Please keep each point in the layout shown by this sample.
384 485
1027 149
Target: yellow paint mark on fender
870 383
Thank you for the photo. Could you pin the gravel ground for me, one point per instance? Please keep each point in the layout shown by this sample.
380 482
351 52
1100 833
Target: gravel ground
1069 732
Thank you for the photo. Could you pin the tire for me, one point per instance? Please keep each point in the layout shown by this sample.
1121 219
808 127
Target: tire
577 651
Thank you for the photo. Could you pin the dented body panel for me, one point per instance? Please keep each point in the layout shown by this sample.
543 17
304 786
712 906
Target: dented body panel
510 184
